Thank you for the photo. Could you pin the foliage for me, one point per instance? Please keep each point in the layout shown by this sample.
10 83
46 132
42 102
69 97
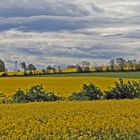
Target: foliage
112 64
88 92
99 69
2 97
24 66
85 66
34 94
79 96
121 63
2 66
31 68
79 69
4 74
25 73
123 90
19 96
60 70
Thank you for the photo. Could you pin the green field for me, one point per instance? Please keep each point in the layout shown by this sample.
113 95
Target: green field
99 74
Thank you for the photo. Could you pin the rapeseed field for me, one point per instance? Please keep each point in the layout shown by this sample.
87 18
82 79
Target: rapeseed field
63 86
104 120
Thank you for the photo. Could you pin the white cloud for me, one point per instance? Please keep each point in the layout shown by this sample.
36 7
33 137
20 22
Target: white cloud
47 7
62 31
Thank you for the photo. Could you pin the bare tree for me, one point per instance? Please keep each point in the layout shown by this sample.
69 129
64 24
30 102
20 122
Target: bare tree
121 63
85 66
112 64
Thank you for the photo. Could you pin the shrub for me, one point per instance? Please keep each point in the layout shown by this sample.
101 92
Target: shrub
25 74
79 69
4 74
123 90
88 92
52 97
19 96
31 73
2 97
79 96
35 93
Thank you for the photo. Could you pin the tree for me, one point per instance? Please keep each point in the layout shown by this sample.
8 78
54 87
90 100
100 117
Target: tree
123 90
31 68
50 68
37 93
107 69
121 63
88 92
79 69
131 64
112 64
86 66
24 66
54 70
99 69
59 70
137 67
2 66
4 74
71 66
44 71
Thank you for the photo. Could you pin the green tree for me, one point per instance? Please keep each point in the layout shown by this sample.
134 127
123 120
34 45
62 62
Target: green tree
24 66
123 90
37 93
50 68
31 68
88 92
2 66
44 71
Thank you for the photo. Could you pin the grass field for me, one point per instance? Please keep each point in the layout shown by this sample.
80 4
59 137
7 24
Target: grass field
63 86
104 120
93 74
135 75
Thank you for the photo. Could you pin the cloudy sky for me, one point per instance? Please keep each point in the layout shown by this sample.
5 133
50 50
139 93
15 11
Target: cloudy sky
60 32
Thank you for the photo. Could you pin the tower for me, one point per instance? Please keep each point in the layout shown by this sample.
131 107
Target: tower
15 69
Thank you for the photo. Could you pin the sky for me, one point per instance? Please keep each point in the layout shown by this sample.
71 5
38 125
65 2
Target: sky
65 32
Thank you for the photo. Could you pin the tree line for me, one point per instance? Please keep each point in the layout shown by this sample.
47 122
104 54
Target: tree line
118 64
115 65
